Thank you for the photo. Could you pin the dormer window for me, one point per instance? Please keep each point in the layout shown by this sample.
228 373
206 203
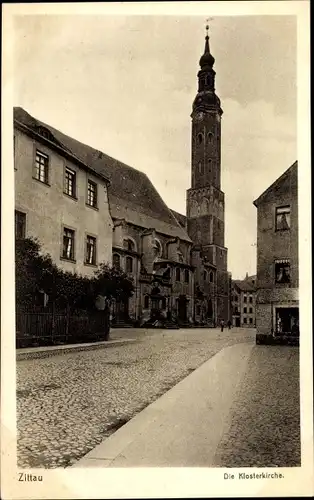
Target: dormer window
45 133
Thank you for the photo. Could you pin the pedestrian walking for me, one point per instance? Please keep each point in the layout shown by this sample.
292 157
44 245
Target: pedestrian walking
229 324
222 325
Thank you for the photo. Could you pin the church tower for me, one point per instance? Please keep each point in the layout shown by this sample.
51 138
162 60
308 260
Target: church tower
205 200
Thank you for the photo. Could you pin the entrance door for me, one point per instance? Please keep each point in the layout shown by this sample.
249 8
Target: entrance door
122 310
287 320
182 308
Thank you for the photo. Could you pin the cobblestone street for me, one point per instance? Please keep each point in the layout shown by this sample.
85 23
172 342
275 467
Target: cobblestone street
67 404
265 428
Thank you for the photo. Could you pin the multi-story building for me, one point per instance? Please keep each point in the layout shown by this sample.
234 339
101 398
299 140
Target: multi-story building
277 303
86 208
244 302
60 199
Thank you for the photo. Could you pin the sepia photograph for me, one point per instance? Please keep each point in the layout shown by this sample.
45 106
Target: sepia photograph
156 258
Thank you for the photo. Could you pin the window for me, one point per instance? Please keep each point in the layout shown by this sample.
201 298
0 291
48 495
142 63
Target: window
91 250
20 225
236 310
244 299
282 271
205 275
129 264
146 302
41 167
282 218
116 261
198 310
250 310
211 276
70 182
251 299
200 167
178 274
210 165
236 298
186 276
250 320
180 256
68 244
199 138
128 244
157 248
244 320
244 310
210 137
91 194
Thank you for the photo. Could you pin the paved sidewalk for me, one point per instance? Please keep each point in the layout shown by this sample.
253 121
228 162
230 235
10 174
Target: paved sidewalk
239 409
184 426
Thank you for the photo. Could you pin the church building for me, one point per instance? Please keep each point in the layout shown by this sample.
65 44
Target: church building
101 210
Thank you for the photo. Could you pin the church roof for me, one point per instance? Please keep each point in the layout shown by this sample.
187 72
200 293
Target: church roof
180 218
132 195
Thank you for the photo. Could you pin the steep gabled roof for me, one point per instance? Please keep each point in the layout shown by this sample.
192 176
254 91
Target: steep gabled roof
180 218
132 196
275 184
244 286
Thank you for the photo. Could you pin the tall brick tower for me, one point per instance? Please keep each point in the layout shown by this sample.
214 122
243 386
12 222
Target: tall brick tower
205 200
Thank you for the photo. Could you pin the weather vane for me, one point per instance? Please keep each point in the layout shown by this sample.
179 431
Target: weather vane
207 24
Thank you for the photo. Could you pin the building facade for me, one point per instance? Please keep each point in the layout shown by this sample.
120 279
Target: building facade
277 302
60 200
87 208
243 302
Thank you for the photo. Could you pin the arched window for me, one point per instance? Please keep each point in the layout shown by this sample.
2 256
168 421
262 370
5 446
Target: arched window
178 274
210 137
205 275
199 138
128 244
116 261
186 276
211 276
157 248
199 167
129 264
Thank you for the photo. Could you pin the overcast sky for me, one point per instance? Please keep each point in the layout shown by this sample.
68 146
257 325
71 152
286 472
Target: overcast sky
125 85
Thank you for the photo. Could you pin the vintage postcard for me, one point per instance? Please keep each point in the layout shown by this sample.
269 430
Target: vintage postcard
156 255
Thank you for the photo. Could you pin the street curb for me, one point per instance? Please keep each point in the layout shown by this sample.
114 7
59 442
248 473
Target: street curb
193 415
44 352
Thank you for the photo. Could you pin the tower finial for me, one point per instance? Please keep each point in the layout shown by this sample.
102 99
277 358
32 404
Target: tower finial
207 59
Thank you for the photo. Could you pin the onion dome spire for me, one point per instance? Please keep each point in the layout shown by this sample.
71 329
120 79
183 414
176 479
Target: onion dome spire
207 59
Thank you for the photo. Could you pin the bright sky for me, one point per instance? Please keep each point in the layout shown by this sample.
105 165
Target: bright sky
125 85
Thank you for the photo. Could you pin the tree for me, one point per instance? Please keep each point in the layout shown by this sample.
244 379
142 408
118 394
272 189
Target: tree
36 272
113 283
